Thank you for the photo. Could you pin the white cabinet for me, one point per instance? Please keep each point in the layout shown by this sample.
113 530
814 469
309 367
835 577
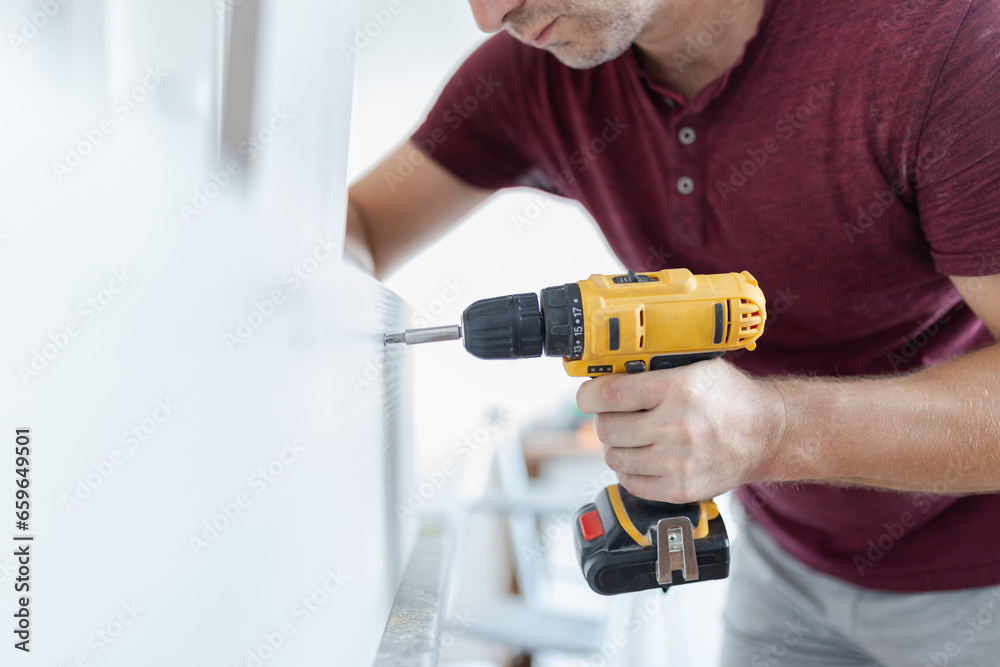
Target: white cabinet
218 436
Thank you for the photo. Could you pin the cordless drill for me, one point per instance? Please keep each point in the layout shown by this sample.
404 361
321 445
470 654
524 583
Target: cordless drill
629 323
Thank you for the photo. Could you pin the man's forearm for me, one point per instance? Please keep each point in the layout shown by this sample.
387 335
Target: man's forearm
934 431
357 244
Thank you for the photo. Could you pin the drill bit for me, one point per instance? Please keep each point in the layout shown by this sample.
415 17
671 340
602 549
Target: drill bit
429 335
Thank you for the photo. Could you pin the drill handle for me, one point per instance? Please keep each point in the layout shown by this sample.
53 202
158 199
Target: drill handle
666 361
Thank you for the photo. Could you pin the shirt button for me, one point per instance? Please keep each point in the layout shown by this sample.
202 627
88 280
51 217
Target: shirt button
685 185
671 102
686 136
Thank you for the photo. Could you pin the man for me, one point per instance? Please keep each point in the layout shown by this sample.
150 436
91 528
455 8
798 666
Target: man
846 154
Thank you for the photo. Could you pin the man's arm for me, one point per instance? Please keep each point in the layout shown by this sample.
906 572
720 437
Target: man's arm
937 430
695 432
390 217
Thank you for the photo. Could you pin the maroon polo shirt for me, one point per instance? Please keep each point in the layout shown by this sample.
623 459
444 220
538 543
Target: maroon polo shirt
850 160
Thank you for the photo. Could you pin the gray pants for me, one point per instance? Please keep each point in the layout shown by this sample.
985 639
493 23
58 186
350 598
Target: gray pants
780 612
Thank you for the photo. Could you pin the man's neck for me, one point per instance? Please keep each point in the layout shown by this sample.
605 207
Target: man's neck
686 48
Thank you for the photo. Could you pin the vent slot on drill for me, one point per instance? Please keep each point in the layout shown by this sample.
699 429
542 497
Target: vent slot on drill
729 319
642 325
750 320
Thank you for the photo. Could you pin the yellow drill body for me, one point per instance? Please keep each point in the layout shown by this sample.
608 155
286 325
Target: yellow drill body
671 312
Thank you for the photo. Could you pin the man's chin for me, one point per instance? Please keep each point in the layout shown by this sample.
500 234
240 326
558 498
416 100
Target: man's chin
567 55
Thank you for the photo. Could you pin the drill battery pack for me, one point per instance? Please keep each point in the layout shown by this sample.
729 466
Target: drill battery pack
629 544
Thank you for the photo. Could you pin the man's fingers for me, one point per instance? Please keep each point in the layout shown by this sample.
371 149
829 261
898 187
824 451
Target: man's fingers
643 486
662 489
632 460
622 429
619 393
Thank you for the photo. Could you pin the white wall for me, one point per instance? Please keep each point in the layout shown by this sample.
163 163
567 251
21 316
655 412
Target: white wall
123 283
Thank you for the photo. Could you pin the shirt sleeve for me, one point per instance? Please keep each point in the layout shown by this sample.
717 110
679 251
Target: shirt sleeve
474 128
957 169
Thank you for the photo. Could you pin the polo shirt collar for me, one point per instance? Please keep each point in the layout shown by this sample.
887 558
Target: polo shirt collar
715 88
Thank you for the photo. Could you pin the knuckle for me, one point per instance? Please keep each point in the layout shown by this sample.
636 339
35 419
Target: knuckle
630 483
612 458
688 433
682 433
609 392
687 390
683 496
680 490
